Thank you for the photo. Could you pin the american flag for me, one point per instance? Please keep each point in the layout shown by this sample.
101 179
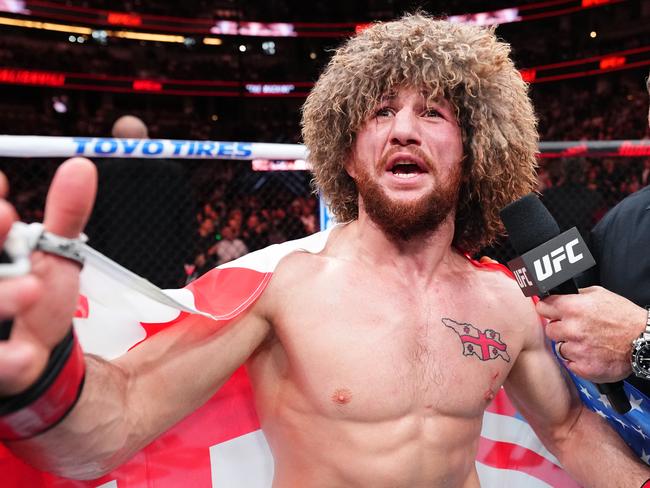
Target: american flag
633 426
221 445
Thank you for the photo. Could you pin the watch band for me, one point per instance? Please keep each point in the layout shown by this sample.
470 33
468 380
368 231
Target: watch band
640 351
646 332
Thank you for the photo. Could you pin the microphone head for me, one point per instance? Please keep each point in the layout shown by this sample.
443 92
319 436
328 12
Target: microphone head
529 223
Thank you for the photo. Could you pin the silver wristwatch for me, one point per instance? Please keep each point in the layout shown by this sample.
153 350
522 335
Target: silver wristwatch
641 352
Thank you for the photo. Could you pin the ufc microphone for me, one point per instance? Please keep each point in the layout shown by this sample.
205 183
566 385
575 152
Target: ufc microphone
548 262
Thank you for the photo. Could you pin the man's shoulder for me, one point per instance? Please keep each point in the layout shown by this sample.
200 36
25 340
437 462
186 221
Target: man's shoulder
627 211
487 270
300 266
496 286
499 279
636 202
290 260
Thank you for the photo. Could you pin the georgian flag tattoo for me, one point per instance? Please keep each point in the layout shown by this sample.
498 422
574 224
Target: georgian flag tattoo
484 345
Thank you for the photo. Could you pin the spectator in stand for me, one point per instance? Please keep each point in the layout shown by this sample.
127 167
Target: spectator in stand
308 216
255 233
229 247
277 233
292 222
206 235
593 175
203 263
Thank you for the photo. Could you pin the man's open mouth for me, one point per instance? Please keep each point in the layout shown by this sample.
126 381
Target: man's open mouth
405 169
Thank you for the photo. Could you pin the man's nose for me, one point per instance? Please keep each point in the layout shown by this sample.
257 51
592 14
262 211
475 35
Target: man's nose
405 129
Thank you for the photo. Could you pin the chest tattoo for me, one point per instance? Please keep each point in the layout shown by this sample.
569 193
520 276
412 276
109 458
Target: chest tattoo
484 345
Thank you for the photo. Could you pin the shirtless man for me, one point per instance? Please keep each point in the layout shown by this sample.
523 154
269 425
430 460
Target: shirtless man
355 354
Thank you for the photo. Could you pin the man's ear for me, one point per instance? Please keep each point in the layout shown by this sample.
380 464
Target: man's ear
349 165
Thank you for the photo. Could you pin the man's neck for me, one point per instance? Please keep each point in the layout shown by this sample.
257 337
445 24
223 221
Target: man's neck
422 255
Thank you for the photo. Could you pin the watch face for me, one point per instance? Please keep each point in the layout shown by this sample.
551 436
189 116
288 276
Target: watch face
641 359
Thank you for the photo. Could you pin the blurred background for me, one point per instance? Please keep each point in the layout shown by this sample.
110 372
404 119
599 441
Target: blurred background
231 70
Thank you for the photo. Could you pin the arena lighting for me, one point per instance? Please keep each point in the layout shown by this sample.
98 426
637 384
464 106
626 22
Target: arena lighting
33 24
29 77
594 3
14 6
204 26
578 68
268 47
496 17
100 36
127 19
212 41
147 85
610 62
528 75
72 29
361 27
256 29
144 36
59 104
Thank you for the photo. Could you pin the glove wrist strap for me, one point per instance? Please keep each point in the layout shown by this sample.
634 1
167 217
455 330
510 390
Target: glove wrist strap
47 402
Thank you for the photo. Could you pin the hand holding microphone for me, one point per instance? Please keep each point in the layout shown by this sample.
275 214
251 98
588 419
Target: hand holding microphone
596 329
548 262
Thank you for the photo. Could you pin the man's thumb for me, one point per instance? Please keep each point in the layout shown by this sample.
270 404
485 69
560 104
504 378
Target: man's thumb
71 197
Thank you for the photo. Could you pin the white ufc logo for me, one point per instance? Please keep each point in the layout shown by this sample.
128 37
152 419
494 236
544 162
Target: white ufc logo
552 263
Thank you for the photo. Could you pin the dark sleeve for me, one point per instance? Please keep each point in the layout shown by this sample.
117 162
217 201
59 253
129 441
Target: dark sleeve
591 276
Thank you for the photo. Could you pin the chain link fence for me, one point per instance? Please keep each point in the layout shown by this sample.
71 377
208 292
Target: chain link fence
579 191
170 221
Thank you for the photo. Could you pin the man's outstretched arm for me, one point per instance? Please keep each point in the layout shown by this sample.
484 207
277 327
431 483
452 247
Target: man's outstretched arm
123 404
127 403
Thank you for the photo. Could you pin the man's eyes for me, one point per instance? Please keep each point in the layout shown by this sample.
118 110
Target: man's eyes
384 112
432 112
389 112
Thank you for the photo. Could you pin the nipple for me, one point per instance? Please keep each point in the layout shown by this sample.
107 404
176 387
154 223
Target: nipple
342 396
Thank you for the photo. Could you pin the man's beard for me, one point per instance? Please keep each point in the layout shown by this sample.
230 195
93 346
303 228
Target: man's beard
406 220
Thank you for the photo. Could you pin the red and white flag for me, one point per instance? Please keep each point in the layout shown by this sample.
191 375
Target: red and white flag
221 445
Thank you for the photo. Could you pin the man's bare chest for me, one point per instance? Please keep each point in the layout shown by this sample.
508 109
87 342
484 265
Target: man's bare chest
381 355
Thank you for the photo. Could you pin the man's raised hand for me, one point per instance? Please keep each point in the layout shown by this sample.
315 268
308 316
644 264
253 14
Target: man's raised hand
43 302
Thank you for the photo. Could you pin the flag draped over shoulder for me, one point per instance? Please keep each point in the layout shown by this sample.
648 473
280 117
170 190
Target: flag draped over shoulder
221 445
633 426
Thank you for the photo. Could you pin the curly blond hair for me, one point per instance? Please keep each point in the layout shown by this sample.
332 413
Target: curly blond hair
466 65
